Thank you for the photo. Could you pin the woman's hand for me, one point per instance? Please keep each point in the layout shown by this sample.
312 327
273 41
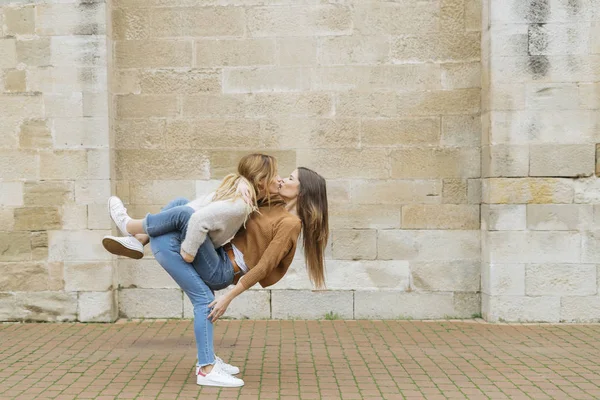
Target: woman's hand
186 257
244 191
219 306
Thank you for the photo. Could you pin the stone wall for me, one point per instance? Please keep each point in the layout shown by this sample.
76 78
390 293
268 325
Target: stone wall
541 243
54 162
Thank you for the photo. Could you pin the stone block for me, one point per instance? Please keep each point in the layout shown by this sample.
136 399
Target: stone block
305 304
7 219
559 39
503 279
400 132
37 218
78 51
527 191
504 217
92 191
48 193
474 194
14 81
143 274
445 276
34 52
558 217
21 105
296 51
75 217
63 164
139 134
354 244
561 280
473 20
30 277
440 216
19 21
11 194
146 106
77 246
8 307
591 247
125 81
266 79
97 217
364 216
16 165
163 164
522 309
461 75
153 53
99 163
70 19
353 49
394 305
162 192
228 52
47 306
534 247
346 163
563 160
223 162
252 304
213 106
213 133
8 53
150 303
95 104
35 134
587 190
580 309
454 191
552 96
363 274
306 104
366 105
502 160
448 102
436 163
98 306
318 20
89 277
300 133
461 130
15 246
437 48
505 97
77 133
180 82
396 192
63 105
426 245
396 18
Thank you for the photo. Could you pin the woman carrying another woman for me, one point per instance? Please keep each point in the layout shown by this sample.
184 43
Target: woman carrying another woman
261 252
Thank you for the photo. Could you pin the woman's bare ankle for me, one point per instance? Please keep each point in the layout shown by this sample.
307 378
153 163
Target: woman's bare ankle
143 238
206 369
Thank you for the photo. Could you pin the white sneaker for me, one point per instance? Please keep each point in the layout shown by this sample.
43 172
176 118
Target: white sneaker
230 369
124 246
218 377
118 213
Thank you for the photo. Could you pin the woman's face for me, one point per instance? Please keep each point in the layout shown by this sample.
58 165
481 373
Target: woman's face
273 187
290 186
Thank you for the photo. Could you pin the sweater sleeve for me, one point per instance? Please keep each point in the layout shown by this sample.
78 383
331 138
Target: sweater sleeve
284 240
213 216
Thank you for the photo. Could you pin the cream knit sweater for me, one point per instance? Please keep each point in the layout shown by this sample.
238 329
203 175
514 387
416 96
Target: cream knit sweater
220 220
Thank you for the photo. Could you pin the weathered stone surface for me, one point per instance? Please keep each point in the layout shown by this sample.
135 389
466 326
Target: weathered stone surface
591 247
436 163
139 134
449 276
505 161
214 105
558 217
7 219
587 190
503 279
8 53
561 280
563 160
437 48
29 277
522 309
425 245
19 21
305 304
16 165
143 274
222 161
146 106
76 133
92 191
180 82
98 307
364 274
78 51
400 132
267 79
321 20
151 303
461 75
353 50
365 216
394 305
77 246
289 105
527 191
461 130
71 19
440 216
366 163
63 164
165 164
153 53
216 53
534 247
35 134
11 193
74 217
230 133
252 304
89 277
47 306
396 18
455 191
354 244
296 51
8 308
580 309
48 193
396 191
299 133
14 81
501 217
15 246
37 218
34 52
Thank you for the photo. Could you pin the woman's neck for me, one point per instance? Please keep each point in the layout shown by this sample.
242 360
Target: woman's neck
290 206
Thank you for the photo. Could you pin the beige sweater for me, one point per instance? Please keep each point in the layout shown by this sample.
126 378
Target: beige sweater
220 220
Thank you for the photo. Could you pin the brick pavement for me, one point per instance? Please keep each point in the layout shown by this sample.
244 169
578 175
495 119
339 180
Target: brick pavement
154 359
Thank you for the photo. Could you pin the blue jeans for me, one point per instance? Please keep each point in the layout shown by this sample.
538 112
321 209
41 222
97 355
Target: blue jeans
211 269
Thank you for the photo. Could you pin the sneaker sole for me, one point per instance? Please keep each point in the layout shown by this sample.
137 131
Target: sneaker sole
113 220
219 384
114 247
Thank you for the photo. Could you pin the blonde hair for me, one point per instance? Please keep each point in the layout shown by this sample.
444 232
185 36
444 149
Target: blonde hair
257 171
312 210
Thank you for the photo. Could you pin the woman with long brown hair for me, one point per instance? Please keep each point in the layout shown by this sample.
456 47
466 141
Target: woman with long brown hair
261 252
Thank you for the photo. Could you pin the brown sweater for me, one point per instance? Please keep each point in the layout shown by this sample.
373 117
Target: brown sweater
268 243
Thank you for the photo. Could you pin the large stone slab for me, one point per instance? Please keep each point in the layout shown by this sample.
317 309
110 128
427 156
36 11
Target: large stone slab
305 304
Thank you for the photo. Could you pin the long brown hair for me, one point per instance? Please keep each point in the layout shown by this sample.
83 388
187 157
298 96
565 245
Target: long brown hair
312 210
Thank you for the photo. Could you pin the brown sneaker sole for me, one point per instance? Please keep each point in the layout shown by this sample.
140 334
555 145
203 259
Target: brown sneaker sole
114 247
